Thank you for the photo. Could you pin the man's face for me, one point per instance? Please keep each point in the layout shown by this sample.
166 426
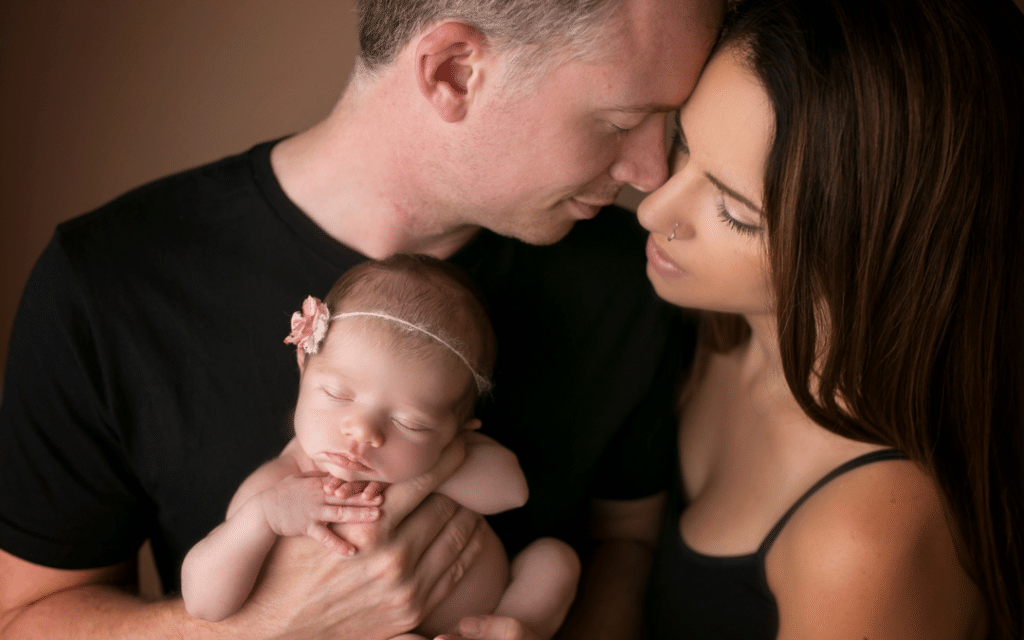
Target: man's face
536 163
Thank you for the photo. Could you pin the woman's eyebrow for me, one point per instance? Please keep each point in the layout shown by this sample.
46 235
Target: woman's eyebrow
732 193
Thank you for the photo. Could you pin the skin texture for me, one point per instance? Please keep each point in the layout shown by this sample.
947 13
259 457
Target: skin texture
416 161
870 555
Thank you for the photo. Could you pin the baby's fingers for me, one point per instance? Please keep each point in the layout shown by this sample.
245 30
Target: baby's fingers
331 540
349 489
331 484
373 491
358 500
347 514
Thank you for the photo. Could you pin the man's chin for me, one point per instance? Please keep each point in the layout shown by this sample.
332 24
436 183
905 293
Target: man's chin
541 236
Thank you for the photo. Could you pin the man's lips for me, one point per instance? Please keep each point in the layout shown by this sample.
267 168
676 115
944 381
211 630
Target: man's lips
587 210
347 461
660 263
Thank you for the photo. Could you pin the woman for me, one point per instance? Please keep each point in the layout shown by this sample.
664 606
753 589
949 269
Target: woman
846 209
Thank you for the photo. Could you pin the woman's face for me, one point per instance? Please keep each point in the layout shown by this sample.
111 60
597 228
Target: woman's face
712 202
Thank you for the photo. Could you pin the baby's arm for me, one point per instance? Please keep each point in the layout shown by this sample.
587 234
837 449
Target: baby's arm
489 479
219 572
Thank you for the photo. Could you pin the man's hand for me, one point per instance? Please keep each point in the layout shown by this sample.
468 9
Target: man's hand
492 628
409 560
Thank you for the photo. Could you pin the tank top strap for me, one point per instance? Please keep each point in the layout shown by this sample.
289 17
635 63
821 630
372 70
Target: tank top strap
859 461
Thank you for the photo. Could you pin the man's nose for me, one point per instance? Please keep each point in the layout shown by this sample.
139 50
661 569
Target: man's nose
643 161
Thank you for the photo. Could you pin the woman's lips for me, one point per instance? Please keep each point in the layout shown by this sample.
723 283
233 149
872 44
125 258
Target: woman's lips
660 263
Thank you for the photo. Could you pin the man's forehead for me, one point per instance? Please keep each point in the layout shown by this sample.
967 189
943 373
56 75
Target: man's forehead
660 43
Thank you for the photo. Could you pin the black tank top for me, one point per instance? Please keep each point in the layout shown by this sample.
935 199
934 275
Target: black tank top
691 595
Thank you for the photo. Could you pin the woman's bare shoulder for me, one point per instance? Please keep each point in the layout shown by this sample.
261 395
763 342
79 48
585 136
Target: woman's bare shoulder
870 555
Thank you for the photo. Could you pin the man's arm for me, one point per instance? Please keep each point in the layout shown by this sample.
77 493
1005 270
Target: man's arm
411 562
489 479
611 596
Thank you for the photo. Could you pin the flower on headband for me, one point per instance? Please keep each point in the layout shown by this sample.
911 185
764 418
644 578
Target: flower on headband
309 327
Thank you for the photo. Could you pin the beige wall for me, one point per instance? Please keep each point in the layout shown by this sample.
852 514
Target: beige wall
98 97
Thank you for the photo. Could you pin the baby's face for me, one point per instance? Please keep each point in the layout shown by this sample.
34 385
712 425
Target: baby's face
368 411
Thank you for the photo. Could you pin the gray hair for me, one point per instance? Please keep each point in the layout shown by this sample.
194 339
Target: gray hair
535 33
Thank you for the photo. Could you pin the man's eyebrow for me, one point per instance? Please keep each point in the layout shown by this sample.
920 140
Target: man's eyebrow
650 107
732 193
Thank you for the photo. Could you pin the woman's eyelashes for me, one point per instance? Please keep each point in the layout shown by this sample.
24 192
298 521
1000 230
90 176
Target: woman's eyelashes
680 147
741 227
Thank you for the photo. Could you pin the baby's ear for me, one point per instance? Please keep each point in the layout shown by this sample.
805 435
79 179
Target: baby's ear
300 355
472 425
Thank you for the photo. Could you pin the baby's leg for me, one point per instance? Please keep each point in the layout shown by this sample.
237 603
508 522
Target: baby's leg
544 579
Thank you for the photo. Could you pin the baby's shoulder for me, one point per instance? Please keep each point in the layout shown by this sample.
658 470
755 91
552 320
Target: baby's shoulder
268 474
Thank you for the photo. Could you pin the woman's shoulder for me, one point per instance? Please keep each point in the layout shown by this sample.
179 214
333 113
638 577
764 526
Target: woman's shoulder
871 555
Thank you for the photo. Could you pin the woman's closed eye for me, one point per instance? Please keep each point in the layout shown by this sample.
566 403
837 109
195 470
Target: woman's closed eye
729 219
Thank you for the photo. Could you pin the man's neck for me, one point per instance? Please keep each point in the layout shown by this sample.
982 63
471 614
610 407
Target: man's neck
355 181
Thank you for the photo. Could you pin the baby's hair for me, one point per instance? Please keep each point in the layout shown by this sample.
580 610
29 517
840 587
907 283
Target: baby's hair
437 296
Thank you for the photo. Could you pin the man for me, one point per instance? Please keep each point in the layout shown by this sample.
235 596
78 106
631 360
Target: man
146 376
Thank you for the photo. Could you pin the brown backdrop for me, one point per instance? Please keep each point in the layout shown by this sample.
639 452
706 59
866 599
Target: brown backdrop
98 97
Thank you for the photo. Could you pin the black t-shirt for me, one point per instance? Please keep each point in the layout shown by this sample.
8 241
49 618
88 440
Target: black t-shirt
147 376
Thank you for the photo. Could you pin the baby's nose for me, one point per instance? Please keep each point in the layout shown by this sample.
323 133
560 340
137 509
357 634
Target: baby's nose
364 428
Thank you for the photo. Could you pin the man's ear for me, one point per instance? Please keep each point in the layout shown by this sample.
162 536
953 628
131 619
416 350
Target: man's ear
472 425
448 68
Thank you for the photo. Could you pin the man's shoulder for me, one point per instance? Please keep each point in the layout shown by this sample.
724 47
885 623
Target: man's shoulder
169 204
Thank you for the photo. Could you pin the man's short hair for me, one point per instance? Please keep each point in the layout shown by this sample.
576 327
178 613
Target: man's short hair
534 32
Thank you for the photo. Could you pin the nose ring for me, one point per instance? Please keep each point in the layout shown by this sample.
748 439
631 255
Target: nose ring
674 227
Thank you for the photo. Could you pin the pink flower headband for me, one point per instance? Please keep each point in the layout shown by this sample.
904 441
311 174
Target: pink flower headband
309 328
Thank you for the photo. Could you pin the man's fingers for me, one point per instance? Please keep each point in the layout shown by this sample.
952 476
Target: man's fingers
404 497
331 540
451 552
418 531
495 628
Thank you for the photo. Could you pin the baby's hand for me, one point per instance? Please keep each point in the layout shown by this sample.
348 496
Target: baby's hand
370 491
303 505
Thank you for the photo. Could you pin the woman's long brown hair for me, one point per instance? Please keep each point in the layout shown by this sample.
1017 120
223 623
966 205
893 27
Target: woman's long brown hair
895 232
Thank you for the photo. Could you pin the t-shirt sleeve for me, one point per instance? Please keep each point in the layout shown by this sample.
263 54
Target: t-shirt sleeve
641 458
70 499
